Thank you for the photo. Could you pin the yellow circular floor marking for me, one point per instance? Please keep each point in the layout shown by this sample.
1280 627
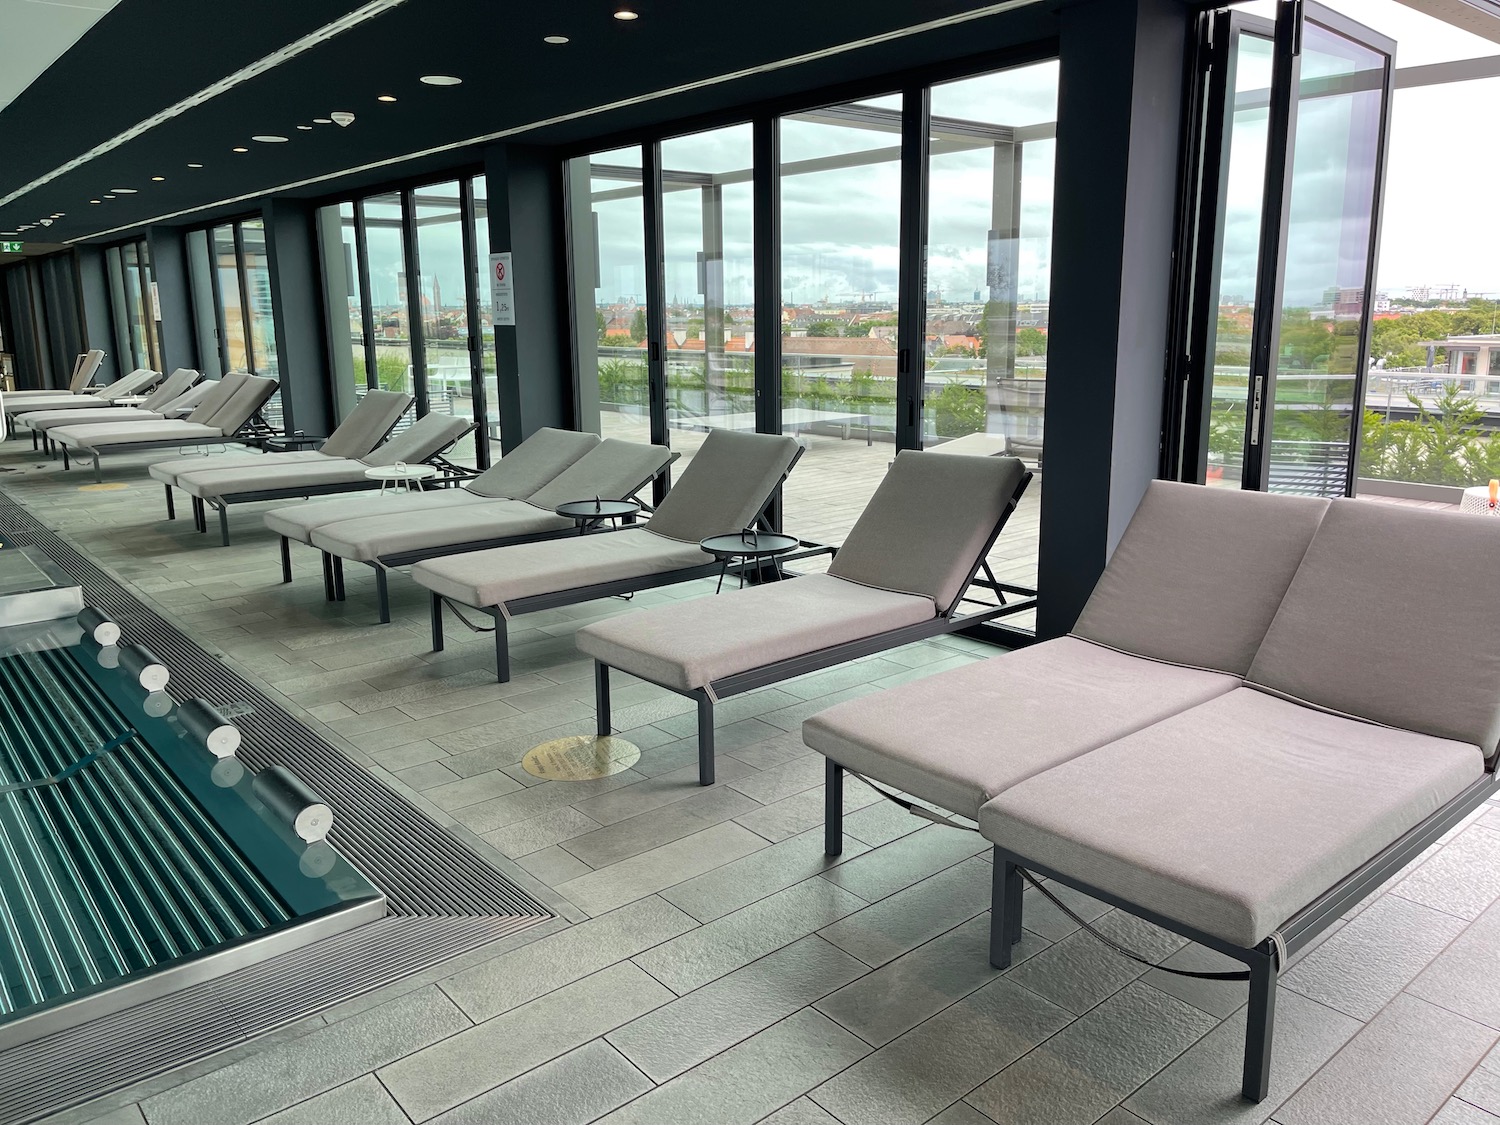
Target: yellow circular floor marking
111 487
583 757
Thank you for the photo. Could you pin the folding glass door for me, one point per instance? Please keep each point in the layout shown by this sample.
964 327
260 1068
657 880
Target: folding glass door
1279 301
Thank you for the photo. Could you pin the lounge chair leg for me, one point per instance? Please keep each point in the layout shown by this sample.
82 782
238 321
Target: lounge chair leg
35 434
171 503
601 699
224 525
502 649
98 472
833 807
437 623
66 465
198 522
1260 1022
1005 910
338 578
705 740
286 558
383 595
327 576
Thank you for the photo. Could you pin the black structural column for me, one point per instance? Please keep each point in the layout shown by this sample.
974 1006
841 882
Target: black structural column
169 269
93 282
297 307
525 188
1113 232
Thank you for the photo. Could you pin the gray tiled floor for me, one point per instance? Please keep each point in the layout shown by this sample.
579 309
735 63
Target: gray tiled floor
718 968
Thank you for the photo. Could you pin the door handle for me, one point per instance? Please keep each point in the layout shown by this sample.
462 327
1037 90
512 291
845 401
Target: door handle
1256 399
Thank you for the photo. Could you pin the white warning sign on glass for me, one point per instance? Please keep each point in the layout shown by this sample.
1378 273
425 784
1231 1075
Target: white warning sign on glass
502 289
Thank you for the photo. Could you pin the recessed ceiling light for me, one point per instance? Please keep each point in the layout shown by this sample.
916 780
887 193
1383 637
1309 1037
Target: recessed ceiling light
441 80
385 98
626 12
157 179
305 128
269 139
195 166
322 121
123 190
96 201
555 40
109 197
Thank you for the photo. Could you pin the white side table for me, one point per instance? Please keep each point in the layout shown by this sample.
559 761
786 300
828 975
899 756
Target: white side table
1476 502
399 477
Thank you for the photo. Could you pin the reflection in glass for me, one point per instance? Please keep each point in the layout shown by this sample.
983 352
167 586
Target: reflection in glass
708 227
840 183
443 298
388 299
258 299
485 327
231 308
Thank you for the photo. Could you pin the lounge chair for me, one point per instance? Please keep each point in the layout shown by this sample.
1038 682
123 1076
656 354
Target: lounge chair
218 419
85 367
725 487
612 470
370 422
902 575
424 440
137 382
1231 744
156 405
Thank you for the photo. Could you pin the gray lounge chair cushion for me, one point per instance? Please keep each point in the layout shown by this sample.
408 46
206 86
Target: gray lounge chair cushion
612 470
379 533
1199 574
1384 621
189 399
694 643
299 521
503 574
428 436
530 465
209 484
725 485
240 407
960 737
168 471
108 435
169 388
367 423
133 384
928 523
129 384
84 368
43 420
217 395
1234 815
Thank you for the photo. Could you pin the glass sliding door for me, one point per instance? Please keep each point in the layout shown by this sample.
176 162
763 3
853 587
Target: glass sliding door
708 228
483 330
256 278
233 332
442 297
385 242
840 190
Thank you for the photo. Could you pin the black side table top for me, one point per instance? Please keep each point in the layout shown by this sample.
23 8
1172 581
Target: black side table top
749 545
597 509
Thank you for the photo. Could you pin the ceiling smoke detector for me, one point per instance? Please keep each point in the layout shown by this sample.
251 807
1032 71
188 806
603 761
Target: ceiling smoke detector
342 118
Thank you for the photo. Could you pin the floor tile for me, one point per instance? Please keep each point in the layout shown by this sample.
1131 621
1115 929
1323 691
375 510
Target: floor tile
1462 879
803 1111
737 884
1482 1089
361 1102
885 870
1081 971
884 931
1463 978
619 841
570 1090
661 867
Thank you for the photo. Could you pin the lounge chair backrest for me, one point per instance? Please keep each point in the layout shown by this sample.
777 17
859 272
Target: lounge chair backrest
612 470
1390 618
217 395
241 406
132 384
85 369
530 465
367 423
189 399
1199 573
725 486
927 525
428 436
171 387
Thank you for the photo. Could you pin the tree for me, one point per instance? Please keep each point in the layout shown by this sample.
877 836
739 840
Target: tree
601 324
1031 341
638 326
958 410
822 328
857 329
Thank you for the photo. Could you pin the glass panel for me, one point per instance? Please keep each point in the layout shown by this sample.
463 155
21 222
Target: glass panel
231 312
135 313
258 286
1234 296
840 182
989 254
1327 269
708 224
614 228
345 303
386 246
443 297
485 327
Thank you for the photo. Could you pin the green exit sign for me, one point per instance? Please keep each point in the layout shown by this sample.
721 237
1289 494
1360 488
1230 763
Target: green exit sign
12 247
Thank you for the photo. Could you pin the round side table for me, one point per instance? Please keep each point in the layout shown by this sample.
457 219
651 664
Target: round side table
400 478
752 546
586 513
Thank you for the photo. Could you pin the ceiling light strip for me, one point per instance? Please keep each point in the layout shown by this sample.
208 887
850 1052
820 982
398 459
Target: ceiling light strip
362 14
623 103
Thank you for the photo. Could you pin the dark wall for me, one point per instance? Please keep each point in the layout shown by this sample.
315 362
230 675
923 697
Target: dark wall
93 282
297 305
169 269
20 329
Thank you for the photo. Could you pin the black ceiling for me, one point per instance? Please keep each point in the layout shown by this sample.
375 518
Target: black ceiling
146 55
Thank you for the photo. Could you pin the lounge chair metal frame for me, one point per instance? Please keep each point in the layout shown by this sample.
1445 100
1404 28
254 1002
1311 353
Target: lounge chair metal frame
255 428
333 565
951 621
616 588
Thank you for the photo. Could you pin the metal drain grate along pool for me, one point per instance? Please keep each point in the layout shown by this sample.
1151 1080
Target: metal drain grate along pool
444 899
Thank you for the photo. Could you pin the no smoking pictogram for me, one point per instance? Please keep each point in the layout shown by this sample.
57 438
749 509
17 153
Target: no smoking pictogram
499 271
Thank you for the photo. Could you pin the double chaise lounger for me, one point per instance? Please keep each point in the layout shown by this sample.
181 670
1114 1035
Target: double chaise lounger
902 575
85 367
220 417
169 397
725 488
1269 706
610 470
